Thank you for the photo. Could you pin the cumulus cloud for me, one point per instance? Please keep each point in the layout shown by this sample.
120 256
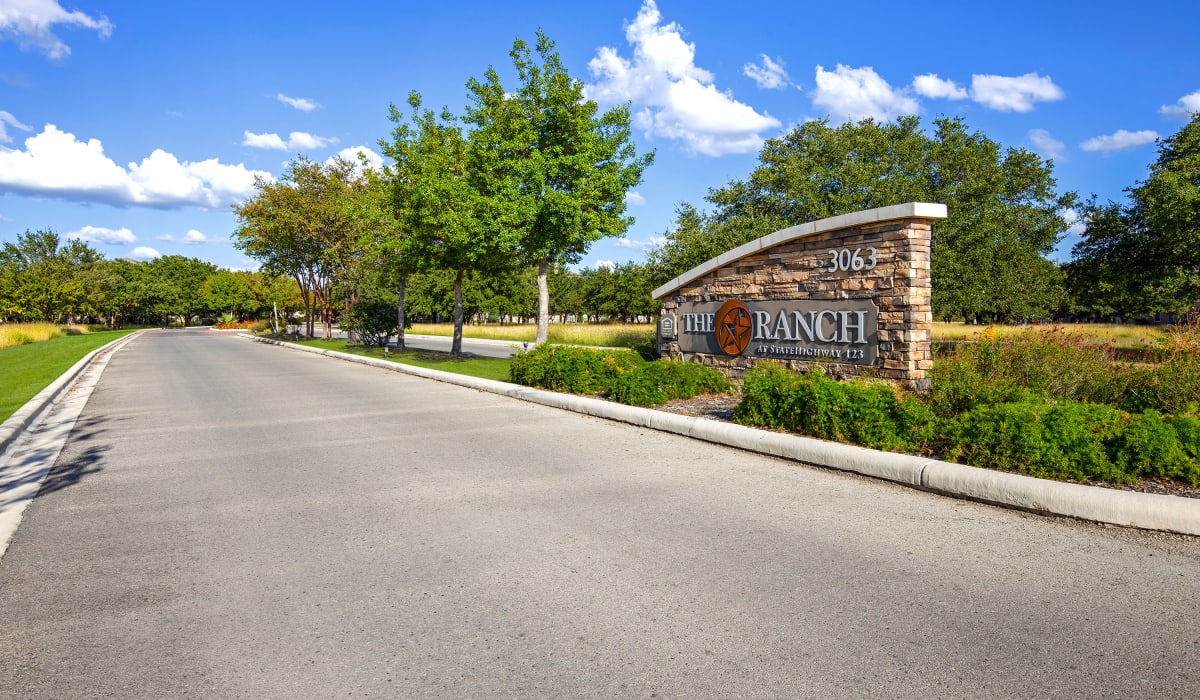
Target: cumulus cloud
1184 107
634 198
144 252
852 94
1014 93
673 98
930 85
10 120
769 74
96 234
650 244
605 265
1047 145
56 164
194 237
350 155
300 103
297 141
1120 141
31 23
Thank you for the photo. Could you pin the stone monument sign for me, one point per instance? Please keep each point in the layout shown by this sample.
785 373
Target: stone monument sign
849 293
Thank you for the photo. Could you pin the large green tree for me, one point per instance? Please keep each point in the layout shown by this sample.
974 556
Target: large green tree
449 222
43 277
552 169
1144 255
989 256
308 226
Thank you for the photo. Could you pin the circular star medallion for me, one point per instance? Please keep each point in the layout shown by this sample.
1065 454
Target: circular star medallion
733 327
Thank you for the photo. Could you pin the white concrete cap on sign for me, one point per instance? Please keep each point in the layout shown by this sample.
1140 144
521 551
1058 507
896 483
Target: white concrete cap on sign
911 210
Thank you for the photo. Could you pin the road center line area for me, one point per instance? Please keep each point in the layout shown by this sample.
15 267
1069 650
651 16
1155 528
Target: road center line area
230 519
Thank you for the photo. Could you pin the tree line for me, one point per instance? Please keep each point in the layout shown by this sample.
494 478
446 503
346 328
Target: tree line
46 278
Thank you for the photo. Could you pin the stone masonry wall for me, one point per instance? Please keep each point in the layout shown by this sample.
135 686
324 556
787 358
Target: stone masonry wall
799 269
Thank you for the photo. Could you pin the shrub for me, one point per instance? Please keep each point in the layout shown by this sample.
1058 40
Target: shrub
656 383
1063 441
373 320
869 413
572 369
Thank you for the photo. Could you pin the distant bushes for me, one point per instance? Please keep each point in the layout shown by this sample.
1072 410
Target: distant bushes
620 375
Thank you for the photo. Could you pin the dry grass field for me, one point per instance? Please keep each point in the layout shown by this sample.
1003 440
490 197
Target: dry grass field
12 334
1121 336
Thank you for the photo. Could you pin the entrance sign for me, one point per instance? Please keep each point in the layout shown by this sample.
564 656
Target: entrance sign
850 293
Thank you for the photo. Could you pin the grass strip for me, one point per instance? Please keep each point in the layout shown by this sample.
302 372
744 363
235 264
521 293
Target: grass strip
27 369
482 367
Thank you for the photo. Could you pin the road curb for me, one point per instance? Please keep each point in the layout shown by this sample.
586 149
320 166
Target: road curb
15 425
1126 508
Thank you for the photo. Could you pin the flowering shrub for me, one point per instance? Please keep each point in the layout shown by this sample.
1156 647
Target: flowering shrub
232 325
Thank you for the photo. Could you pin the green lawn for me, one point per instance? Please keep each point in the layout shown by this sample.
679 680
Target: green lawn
482 367
27 369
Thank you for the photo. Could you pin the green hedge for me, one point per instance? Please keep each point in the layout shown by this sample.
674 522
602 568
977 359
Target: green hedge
1042 437
620 375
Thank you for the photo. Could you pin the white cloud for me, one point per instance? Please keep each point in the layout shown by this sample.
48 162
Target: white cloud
605 265
1076 224
634 199
300 103
770 75
164 237
96 234
194 237
374 160
1184 107
56 164
31 23
144 252
1047 145
653 242
672 97
297 141
853 94
10 120
1014 94
1120 141
930 85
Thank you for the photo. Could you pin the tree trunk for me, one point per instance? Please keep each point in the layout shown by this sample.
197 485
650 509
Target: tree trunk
543 320
456 345
400 314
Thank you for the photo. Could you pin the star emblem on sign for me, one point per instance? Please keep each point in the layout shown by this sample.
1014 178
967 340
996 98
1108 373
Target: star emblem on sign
733 327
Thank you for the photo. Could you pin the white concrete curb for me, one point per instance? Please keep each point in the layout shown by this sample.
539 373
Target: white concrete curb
1127 508
16 424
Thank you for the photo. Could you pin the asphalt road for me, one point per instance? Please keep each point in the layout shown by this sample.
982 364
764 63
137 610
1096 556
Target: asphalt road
231 519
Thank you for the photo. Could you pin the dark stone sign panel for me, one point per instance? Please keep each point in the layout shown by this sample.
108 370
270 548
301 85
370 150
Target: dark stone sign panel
843 331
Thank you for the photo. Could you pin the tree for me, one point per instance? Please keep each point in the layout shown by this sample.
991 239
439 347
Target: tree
450 224
552 170
182 282
988 257
306 226
228 291
1144 256
41 276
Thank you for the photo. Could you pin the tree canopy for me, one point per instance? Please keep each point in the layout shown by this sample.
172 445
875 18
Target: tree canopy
988 257
1144 255
554 170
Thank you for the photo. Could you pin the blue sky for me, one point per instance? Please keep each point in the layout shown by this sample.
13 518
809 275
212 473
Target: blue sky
137 125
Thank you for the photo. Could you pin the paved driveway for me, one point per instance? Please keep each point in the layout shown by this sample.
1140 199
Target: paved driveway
232 519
